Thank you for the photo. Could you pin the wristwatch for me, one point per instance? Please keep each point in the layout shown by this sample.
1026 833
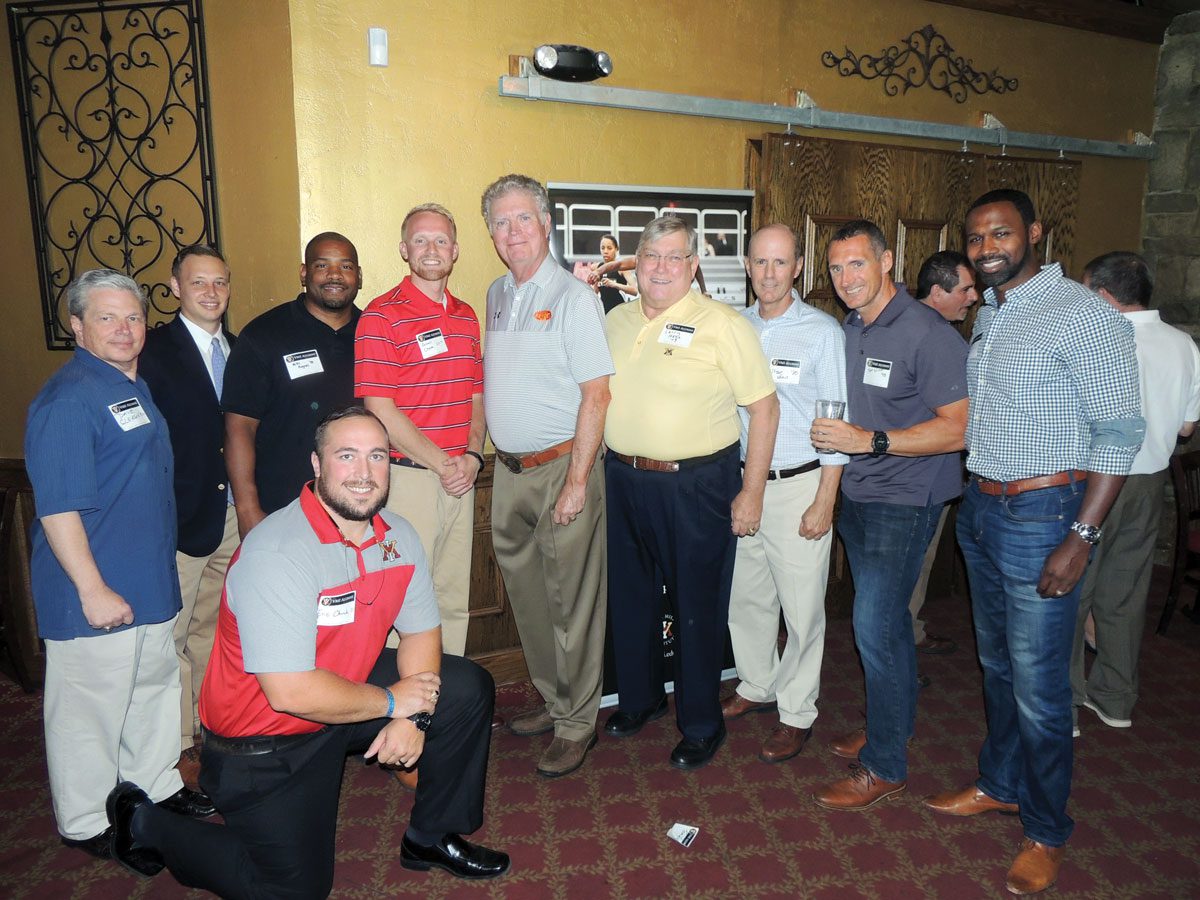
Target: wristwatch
879 443
1090 533
422 720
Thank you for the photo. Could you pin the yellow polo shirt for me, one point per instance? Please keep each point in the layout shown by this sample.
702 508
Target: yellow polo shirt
680 378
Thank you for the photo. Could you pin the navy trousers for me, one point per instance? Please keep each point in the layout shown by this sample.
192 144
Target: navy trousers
673 528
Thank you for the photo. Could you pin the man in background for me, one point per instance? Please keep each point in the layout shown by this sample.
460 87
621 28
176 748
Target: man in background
1118 577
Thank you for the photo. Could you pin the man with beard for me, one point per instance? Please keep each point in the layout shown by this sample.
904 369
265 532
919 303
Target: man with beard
1054 426
418 368
291 366
300 677
907 402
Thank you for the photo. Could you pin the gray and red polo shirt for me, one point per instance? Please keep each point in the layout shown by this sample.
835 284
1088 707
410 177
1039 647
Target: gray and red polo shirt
298 597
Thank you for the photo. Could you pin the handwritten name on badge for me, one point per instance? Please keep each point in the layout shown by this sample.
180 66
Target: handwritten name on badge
785 371
305 362
431 343
677 335
878 372
335 609
129 414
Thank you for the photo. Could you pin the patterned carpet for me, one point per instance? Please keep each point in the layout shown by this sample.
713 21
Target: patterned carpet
602 832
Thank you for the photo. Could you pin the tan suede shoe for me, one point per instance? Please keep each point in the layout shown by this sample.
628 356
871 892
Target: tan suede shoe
563 757
531 722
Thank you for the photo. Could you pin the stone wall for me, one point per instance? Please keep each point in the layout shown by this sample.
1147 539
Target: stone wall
1171 225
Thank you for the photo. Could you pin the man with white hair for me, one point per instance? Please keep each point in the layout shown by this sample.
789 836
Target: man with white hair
104 580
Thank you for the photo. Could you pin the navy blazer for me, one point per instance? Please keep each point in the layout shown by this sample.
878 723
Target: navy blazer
173 368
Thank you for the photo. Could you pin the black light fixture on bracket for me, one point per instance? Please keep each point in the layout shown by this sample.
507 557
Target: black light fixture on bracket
570 62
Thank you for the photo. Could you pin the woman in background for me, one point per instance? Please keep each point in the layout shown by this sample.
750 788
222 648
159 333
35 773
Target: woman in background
615 286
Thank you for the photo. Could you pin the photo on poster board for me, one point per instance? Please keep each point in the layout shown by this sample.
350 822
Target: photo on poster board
584 213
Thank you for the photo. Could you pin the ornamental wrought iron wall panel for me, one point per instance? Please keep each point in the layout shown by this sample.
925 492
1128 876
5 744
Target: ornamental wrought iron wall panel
114 107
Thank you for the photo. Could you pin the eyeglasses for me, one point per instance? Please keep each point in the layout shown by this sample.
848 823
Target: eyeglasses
673 260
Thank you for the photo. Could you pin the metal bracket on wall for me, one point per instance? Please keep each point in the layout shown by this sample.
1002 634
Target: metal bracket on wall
806 114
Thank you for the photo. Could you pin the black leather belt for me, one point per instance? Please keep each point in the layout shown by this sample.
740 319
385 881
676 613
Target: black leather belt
259 745
405 461
772 474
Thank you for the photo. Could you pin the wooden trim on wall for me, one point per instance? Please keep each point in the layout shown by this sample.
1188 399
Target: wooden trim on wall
1141 23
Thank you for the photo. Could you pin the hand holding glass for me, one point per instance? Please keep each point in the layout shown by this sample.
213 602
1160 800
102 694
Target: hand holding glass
829 409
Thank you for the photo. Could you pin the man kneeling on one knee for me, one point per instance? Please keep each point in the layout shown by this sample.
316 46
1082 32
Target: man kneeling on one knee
300 677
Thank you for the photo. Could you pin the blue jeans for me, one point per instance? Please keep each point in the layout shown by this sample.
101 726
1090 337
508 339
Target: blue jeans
885 546
1025 650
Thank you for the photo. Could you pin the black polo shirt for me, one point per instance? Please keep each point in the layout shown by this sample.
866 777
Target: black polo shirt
288 370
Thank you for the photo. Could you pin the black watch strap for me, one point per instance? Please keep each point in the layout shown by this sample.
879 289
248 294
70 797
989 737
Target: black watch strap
422 720
474 454
880 443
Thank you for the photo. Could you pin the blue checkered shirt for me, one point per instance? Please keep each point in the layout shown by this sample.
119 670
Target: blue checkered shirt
814 341
1053 381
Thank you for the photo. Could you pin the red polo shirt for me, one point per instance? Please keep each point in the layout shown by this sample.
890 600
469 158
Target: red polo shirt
424 358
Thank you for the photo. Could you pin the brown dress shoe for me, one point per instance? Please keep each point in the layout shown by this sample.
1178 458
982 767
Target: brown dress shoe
735 706
849 745
785 742
497 722
968 801
934 645
531 722
563 756
1035 868
861 790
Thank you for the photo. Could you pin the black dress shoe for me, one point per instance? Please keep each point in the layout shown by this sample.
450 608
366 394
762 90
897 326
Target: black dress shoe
460 858
187 802
689 754
123 802
99 845
623 724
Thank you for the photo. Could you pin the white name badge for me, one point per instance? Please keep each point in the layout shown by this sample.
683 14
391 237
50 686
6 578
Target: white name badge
878 372
335 609
785 371
677 335
306 362
129 414
431 343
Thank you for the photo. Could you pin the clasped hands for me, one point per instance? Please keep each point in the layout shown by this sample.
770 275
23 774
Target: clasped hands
400 742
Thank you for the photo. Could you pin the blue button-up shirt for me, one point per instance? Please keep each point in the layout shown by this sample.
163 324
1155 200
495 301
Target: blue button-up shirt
1053 381
96 444
807 352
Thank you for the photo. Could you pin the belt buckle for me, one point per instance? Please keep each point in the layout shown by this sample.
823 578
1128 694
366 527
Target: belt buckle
512 463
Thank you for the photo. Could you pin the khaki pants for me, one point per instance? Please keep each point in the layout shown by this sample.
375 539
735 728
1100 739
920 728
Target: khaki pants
111 714
556 577
777 569
445 526
201 581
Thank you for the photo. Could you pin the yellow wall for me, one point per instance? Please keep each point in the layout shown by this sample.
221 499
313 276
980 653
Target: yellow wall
431 125
309 137
250 79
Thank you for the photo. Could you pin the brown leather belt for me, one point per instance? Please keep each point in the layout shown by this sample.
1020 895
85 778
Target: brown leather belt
518 464
772 474
671 465
1022 485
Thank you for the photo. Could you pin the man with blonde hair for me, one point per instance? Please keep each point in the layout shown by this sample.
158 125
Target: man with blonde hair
417 366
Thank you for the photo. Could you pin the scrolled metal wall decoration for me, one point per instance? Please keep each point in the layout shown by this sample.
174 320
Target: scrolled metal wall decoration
114 114
924 58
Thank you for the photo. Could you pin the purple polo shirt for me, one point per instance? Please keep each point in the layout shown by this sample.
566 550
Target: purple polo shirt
901 367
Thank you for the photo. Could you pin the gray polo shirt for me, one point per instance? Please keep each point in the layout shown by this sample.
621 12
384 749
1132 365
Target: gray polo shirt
901 367
544 339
